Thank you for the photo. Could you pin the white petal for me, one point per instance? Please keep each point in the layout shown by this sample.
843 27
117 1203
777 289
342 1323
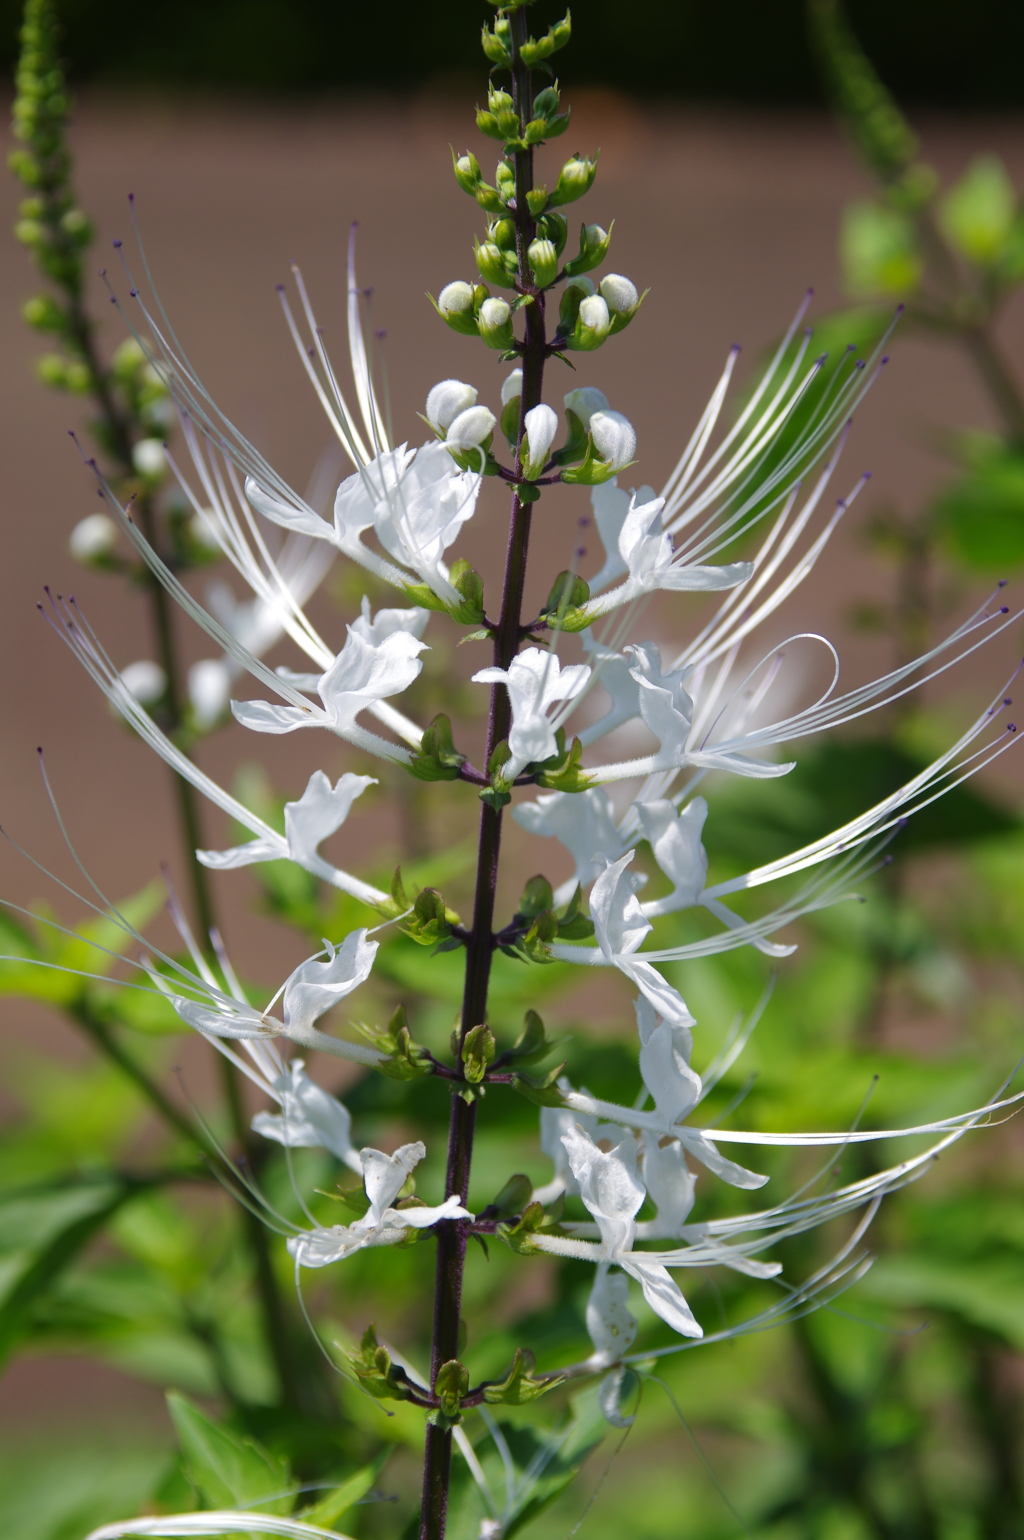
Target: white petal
315 986
446 400
662 1293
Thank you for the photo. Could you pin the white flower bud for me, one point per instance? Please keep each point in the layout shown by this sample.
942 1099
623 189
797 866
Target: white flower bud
594 315
614 438
584 401
470 428
512 388
201 530
495 323
446 401
456 298
148 457
93 536
619 294
541 425
209 688
145 680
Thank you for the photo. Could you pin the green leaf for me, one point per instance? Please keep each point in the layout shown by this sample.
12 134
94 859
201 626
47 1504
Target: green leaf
982 513
978 212
478 1050
513 1198
43 1230
226 1469
330 1509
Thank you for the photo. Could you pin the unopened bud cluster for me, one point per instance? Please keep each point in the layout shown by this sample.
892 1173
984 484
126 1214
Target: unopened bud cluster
523 251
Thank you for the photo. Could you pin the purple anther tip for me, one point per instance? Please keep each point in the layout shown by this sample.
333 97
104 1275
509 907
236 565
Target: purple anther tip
134 293
884 359
1007 701
810 294
117 245
859 364
585 522
112 299
851 347
868 475
1002 582
380 334
900 308
1011 727
39 748
1004 609
736 348
279 287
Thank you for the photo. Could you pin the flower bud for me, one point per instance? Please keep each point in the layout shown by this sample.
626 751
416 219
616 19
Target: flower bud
209 688
445 401
541 424
470 428
543 260
490 261
512 387
467 172
496 44
144 680
505 180
495 324
552 227
573 294
614 438
594 243
593 323
546 102
575 178
455 305
584 401
93 538
148 458
503 233
619 294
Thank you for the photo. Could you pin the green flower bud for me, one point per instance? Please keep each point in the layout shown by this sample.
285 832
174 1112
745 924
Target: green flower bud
537 200
594 243
593 324
561 31
575 178
543 260
622 299
503 233
494 322
455 304
574 292
496 44
44 314
467 172
491 262
546 102
77 227
552 227
29 232
487 123
505 179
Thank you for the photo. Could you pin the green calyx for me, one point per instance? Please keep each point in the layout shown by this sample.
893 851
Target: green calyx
375 1372
466 581
534 1220
437 758
403 1059
563 608
450 1386
477 1053
539 925
520 1386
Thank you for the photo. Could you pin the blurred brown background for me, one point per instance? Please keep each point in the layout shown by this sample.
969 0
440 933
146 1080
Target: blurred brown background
728 216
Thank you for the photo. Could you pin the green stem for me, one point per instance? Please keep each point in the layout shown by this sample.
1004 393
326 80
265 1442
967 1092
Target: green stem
452 1234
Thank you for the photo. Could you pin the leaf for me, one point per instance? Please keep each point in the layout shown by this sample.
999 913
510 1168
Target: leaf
44 1229
227 1469
352 1490
982 512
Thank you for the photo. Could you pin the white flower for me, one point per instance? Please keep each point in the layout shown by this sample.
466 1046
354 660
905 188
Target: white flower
677 847
620 927
535 681
95 535
619 294
665 1049
613 435
584 822
612 1191
387 622
665 707
584 401
319 813
611 504
645 554
144 680
446 400
313 988
361 675
611 1326
594 316
541 424
670 1186
309 1118
416 501
384 1176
